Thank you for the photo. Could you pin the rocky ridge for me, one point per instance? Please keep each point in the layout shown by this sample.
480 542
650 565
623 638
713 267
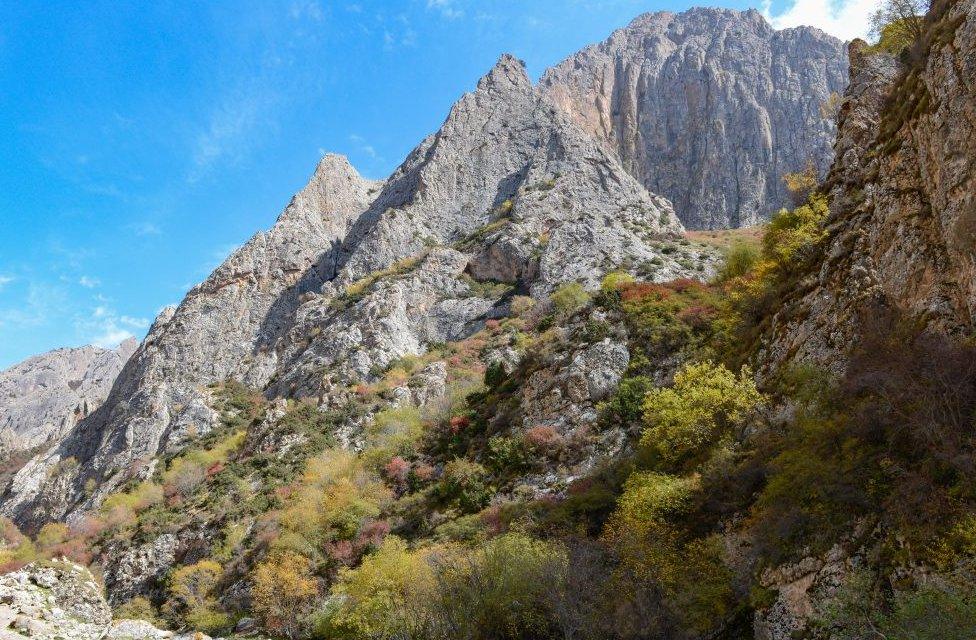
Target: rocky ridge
508 195
45 396
709 107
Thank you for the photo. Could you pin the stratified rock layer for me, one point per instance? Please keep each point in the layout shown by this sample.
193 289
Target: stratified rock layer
708 108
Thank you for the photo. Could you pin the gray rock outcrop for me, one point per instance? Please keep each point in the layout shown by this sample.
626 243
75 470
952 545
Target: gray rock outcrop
62 601
709 107
57 602
44 397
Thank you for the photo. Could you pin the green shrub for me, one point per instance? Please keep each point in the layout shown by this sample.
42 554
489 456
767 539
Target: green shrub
739 260
685 421
568 299
464 483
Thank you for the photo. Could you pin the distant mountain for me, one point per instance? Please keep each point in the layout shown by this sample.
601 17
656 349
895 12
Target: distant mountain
709 107
43 397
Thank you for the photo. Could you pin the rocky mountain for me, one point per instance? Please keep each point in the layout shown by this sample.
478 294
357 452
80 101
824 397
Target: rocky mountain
44 397
709 108
508 194
518 187
502 394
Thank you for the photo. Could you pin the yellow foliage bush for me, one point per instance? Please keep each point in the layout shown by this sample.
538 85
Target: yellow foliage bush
284 592
386 595
683 422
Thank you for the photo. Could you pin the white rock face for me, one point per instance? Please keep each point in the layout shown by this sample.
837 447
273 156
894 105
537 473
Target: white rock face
709 107
43 397
61 601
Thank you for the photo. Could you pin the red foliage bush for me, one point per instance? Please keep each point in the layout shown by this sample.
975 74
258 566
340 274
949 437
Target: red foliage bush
643 290
423 472
396 471
459 424
684 284
698 316
542 437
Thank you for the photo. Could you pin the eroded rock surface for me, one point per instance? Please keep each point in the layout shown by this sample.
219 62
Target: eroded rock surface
902 225
709 107
43 397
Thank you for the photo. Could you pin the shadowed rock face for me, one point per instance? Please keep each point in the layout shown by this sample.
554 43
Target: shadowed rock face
902 200
509 188
43 397
708 108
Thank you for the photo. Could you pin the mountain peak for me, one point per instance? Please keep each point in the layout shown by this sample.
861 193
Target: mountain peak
508 73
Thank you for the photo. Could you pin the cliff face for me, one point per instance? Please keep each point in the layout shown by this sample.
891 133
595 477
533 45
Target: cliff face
709 107
902 223
42 398
508 195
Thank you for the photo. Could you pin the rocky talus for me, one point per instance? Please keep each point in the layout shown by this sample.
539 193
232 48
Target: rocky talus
709 107
44 397
510 195
902 222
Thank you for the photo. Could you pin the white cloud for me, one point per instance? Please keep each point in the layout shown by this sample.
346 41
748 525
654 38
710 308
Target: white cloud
105 328
446 7
5 280
363 146
135 323
111 338
146 229
88 282
846 19
43 302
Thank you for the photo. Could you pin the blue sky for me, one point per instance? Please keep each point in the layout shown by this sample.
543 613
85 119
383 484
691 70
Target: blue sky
140 142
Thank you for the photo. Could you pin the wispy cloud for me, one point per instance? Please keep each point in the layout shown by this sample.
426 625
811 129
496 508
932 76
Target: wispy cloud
447 8
363 146
5 280
44 301
307 9
227 133
105 328
145 229
89 282
845 19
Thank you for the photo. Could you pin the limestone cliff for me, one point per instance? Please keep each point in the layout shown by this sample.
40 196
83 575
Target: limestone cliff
508 195
902 222
709 107
43 397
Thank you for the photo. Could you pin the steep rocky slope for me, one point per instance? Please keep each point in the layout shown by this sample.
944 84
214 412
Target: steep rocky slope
902 191
507 195
44 397
709 107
